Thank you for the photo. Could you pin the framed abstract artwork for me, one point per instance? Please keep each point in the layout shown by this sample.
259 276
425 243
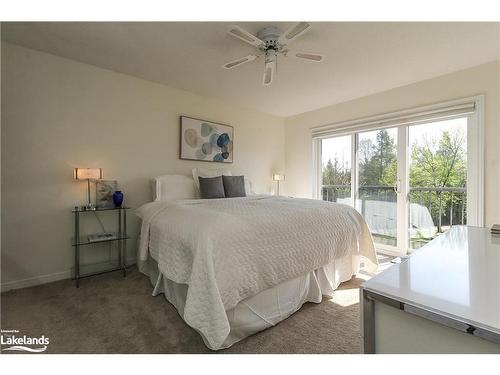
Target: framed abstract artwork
206 141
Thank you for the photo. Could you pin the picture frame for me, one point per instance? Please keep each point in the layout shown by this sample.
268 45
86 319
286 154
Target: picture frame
104 190
204 140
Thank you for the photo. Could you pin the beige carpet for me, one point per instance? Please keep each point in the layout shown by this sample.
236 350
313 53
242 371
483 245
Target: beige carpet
112 314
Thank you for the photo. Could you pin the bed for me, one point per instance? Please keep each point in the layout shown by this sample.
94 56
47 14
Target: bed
235 266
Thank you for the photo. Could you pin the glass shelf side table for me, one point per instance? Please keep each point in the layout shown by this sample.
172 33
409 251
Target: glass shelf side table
120 237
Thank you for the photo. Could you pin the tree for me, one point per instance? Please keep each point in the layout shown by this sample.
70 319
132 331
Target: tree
439 163
377 160
328 173
365 155
334 173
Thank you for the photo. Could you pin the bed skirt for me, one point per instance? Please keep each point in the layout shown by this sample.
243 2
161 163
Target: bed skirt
268 307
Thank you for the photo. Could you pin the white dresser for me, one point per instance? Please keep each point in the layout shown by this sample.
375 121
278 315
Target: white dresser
445 298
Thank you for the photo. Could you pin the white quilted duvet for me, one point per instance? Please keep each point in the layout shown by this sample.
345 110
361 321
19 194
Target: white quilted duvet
227 250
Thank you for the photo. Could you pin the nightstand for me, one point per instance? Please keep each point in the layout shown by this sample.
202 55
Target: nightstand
120 237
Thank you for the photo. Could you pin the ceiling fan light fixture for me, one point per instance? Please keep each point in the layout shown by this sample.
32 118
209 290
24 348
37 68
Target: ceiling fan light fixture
271 55
270 43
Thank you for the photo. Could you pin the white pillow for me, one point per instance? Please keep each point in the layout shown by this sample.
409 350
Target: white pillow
174 187
207 172
248 187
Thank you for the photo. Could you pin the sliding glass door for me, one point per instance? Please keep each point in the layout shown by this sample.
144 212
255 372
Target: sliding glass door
410 182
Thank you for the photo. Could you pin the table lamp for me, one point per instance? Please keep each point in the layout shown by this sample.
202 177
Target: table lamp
88 174
278 177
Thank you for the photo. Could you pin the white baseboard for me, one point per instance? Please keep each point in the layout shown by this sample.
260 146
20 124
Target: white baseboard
37 280
45 279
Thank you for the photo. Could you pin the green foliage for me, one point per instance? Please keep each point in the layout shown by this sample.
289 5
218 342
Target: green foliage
377 161
336 174
439 163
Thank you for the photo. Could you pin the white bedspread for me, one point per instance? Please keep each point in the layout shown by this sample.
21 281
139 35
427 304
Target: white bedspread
226 250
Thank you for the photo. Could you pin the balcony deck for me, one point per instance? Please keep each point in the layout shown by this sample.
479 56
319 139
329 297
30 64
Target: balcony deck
433 210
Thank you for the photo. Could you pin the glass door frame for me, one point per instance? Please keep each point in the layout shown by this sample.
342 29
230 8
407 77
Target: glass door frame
401 188
403 192
475 162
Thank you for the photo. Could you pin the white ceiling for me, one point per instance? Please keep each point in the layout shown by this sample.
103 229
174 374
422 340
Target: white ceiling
362 58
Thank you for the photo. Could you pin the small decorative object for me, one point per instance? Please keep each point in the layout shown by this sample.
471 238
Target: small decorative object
495 229
94 174
104 193
278 177
118 198
206 141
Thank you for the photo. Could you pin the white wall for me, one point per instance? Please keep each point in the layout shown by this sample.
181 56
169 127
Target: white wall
483 79
58 114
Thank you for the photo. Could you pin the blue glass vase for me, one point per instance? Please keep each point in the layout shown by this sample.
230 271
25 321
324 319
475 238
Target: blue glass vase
118 198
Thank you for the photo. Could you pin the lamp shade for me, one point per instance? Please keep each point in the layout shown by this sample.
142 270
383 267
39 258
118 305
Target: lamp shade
88 173
278 177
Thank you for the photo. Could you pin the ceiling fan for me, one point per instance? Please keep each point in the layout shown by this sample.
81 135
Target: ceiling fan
270 43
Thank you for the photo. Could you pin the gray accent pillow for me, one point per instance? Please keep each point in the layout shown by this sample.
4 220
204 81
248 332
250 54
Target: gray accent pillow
234 186
211 187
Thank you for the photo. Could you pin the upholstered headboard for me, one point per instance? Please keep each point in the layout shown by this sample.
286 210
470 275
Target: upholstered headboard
177 186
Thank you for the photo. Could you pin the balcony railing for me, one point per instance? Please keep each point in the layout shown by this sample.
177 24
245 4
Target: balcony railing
432 209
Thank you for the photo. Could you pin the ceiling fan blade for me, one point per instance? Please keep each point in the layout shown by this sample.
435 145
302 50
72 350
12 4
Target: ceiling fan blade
238 62
244 35
310 56
269 72
294 32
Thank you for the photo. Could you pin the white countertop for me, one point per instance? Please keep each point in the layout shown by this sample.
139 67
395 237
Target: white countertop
456 275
